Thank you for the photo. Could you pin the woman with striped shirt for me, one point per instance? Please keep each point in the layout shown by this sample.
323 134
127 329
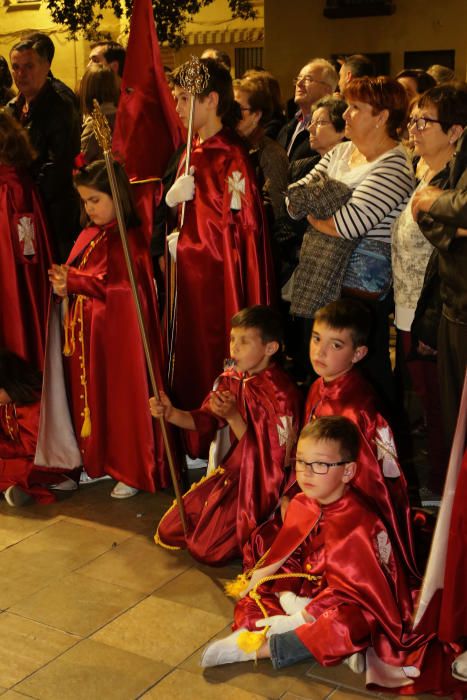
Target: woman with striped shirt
376 169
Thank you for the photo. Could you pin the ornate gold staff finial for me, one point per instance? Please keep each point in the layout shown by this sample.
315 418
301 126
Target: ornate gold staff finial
101 127
194 76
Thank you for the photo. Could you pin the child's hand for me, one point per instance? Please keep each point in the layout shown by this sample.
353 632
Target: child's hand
161 408
223 404
58 275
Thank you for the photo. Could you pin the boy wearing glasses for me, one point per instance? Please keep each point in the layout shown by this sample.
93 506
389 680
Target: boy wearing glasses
254 415
332 587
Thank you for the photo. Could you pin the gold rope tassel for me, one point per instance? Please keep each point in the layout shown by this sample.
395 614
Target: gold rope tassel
234 588
69 325
68 329
86 427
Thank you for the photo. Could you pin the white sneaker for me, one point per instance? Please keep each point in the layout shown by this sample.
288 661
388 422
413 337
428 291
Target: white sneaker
196 463
226 651
15 496
86 479
66 485
121 490
356 662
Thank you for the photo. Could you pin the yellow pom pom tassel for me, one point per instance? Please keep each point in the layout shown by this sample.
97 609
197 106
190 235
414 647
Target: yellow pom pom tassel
235 588
251 641
86 427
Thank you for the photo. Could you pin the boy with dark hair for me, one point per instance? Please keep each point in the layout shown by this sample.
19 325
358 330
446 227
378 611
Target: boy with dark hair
337 344
255 410
223 260
332 587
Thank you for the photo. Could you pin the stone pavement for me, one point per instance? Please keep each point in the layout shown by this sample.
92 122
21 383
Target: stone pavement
92 609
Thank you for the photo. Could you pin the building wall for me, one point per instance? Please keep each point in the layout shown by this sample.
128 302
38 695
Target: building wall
297 31
213 26
71 56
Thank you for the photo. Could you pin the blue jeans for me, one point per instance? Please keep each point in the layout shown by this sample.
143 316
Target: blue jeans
287 649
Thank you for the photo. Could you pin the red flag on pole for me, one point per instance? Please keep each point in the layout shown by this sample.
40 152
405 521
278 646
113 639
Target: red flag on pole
442 606
147 129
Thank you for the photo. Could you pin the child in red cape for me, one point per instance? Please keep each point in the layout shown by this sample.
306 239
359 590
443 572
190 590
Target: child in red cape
332 587
255 411
104 363
338 342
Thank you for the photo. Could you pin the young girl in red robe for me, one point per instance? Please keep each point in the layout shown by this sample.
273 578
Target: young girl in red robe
104 363
20 392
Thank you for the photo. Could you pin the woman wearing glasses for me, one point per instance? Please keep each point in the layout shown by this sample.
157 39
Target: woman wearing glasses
437 121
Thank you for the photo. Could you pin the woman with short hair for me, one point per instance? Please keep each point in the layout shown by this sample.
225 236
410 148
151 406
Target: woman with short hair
436 124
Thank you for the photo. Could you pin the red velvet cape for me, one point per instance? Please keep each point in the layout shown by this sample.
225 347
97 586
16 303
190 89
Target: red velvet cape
226 506
223 265
125 442
24 285
362 598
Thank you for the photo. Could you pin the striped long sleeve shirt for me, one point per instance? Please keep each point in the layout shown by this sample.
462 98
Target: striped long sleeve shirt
381 190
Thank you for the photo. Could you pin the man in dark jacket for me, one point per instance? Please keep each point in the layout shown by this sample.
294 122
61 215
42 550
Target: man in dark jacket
54 134
315 80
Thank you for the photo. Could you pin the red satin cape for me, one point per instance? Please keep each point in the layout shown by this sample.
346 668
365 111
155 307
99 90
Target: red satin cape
223 265
362 598
351 396
18 437
225 507
24 284
125 442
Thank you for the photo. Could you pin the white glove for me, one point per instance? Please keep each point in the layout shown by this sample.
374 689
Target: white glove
183 190
278 624
172 240
459 667
291 603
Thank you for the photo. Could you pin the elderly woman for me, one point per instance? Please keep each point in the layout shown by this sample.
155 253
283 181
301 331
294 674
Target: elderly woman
326 129
349 251
437 121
